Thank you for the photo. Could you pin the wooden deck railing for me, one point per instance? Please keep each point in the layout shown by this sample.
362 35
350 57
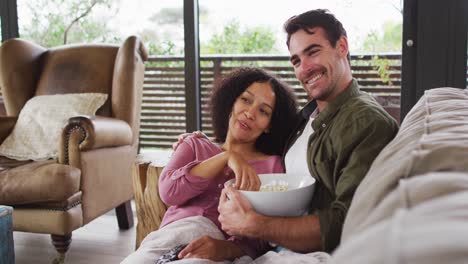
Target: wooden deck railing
163 108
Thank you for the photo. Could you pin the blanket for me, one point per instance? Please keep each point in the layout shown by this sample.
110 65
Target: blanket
186 230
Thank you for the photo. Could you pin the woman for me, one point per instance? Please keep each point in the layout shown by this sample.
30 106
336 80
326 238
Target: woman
252 114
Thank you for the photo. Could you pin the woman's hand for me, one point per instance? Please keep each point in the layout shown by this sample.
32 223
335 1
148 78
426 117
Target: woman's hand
207 247
246 176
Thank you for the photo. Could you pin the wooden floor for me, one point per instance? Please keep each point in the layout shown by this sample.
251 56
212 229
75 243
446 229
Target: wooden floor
99 242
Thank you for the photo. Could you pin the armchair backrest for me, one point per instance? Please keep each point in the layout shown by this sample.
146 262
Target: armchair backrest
29 70
78 69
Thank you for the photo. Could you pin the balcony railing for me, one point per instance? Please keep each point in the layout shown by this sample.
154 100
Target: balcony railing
163 108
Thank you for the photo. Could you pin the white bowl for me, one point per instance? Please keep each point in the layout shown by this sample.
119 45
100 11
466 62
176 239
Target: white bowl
293 202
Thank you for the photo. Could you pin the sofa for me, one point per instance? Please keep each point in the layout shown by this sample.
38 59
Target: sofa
412 206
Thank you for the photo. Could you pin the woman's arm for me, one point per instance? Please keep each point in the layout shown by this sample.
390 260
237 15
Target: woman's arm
186 175
211 167
176 185
246 176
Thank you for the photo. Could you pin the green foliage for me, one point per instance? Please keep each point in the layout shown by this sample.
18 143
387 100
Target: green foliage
383 68
389 40
167 47
233 40
162 48
57 22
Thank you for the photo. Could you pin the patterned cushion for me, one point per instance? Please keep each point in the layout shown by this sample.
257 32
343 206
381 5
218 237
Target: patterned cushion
36 134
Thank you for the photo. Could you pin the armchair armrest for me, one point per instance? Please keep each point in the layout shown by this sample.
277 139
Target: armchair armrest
7 123
83 133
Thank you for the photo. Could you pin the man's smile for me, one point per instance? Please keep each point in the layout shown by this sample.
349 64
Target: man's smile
314 77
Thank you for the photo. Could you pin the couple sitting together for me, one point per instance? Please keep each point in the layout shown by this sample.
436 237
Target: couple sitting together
257 129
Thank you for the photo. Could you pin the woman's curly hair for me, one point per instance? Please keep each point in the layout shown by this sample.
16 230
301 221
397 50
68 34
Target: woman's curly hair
228 88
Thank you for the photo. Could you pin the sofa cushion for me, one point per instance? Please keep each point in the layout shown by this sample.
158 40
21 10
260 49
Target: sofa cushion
37 132
35 182
417 190
432 137
430 232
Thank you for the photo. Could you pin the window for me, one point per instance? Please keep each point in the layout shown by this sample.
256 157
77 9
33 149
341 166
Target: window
232 23
439 61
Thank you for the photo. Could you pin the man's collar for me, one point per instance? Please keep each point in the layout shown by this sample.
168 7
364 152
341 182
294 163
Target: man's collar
351 91
308 109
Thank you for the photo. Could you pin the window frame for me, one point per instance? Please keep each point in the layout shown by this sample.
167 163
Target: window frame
9 19
434 48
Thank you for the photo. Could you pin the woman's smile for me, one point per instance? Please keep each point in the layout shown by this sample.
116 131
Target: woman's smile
243 125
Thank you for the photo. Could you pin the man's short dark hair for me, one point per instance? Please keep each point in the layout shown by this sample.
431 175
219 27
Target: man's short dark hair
228 88
316 18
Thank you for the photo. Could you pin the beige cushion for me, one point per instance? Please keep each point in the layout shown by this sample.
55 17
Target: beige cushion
37 132
433 137
431 232
36 181
416 190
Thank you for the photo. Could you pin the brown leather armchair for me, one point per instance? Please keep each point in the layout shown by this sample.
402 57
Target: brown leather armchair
92 174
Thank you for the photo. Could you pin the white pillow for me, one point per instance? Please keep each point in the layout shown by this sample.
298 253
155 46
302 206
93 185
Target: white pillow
37 132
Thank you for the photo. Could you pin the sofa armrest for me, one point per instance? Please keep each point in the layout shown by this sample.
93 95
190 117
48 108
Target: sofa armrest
7 123
83 133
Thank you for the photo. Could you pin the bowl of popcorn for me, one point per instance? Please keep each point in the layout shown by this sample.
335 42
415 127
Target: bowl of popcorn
281 194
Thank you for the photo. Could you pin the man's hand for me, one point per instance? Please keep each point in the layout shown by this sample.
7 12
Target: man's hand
207 247
181 138
236 214
238 218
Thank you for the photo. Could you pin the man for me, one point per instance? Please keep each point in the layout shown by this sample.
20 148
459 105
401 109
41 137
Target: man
340 133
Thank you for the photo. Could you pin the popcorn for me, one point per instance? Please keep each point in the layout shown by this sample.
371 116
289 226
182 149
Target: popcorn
275 186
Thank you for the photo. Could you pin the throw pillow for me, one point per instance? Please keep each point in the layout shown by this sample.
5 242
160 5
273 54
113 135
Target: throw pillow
37 132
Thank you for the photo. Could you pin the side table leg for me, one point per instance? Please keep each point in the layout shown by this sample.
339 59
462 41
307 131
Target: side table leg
139 186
